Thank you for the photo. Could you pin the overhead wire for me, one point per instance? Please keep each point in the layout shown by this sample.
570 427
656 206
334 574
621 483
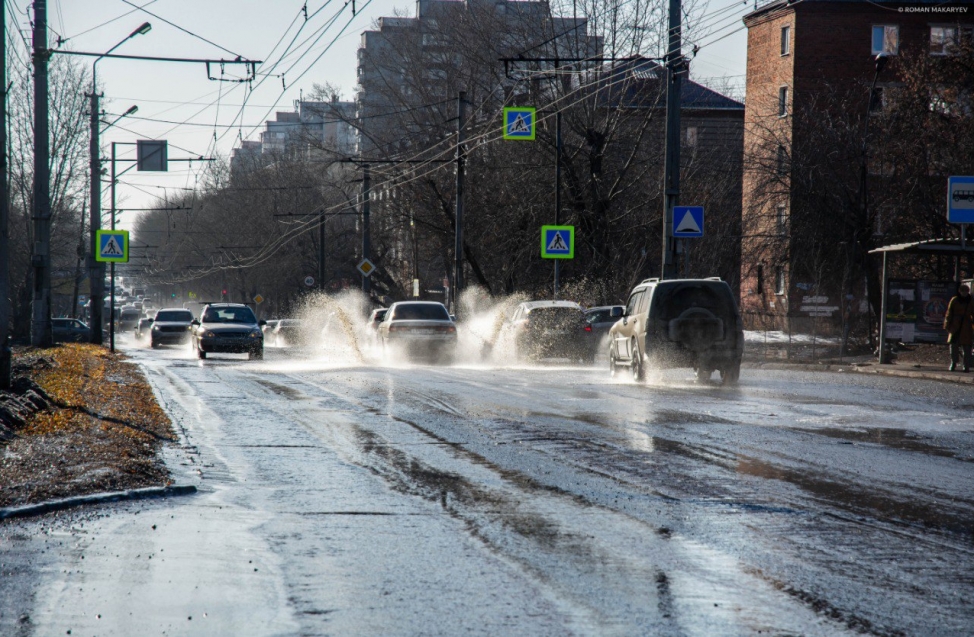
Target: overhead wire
480 140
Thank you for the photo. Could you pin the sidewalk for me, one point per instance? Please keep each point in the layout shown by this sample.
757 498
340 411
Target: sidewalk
925 371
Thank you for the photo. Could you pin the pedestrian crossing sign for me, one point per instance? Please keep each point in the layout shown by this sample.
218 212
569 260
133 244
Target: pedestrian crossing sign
519 122
557 242
113 246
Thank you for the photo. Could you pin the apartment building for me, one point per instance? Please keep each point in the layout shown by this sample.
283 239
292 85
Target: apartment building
314 130
806 57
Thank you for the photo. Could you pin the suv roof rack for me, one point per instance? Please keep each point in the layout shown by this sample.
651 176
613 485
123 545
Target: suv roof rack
652 280
714 278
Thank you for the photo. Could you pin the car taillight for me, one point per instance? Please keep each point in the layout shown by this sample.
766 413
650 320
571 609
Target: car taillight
588 328
396 328
448 329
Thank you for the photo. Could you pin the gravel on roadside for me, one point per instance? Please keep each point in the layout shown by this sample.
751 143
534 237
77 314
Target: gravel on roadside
80 420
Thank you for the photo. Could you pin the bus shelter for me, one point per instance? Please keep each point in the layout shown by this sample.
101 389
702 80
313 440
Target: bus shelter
956 249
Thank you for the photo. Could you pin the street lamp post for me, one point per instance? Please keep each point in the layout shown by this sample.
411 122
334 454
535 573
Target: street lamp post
880 62
96 269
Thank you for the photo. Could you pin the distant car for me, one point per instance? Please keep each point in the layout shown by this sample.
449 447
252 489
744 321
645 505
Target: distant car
595 328
70 330
128 318
377 317
170 326
142 329
268 327
546 329
286 332
419 329
679 323
372 325
228 328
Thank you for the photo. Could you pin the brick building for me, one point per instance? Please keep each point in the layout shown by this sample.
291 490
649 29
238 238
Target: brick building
812 70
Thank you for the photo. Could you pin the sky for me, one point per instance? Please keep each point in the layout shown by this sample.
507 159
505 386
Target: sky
200 117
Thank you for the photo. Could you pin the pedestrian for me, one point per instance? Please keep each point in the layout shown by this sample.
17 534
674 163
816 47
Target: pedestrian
959 323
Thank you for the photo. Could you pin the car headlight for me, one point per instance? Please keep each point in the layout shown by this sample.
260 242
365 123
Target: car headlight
209 334
255 334
155 328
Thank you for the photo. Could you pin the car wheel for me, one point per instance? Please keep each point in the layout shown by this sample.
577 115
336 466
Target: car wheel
613 364
731 375
703 374
153 344
257 354
636 366
200 353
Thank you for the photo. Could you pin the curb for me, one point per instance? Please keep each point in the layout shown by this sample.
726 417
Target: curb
95 498
945 377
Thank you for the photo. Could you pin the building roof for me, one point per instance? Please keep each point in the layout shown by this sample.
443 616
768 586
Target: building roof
929 247
644 88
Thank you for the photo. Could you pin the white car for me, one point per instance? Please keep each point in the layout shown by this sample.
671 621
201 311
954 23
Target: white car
422 329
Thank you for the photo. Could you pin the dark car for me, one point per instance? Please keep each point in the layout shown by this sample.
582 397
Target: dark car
229 328
596 323
142 329
419 328
546 329
128 318
679 323
70 330
171 326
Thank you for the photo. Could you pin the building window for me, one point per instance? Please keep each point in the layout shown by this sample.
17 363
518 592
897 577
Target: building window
886 39
944 39
782 161
779 280
785 40
692 136
781 219
877 101
782 101
761 279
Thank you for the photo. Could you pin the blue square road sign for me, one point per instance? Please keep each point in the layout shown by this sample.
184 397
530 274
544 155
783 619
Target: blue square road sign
687 222
960 199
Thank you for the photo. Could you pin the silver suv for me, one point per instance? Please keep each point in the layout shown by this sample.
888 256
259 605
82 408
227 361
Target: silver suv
679 323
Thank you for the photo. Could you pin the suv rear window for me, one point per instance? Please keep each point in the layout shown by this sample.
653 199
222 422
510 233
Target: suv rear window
228 315
675 299
174 316
421 312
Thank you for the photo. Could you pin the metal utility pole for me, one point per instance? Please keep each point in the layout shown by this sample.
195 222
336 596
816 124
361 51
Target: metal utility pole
96 269
111 306
461 159
671 177
4 213
321 251
366 223
40 332
557 190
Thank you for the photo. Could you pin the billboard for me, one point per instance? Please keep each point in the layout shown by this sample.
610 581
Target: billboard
915 310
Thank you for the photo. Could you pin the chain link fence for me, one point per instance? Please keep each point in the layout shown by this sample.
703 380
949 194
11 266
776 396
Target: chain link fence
803 339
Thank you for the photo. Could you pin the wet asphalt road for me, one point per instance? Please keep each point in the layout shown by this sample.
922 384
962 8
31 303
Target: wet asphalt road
363 499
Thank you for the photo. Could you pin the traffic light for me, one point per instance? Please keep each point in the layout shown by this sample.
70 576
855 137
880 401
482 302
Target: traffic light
224 293
173 295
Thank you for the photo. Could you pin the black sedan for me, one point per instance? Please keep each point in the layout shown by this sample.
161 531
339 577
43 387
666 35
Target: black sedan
228 328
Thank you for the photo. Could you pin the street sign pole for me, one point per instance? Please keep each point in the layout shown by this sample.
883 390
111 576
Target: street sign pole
557 190
111 305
